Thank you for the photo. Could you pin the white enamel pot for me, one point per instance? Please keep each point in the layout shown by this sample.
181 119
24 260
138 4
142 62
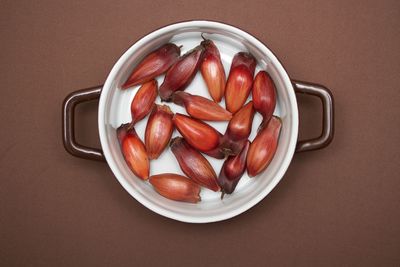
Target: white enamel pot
114 107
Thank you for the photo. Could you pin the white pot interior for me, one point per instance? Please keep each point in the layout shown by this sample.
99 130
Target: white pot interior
114 109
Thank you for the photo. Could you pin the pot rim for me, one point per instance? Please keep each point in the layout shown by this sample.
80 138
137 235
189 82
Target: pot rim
283 165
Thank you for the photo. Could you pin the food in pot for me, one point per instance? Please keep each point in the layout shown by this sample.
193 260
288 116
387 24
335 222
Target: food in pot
194 164
263 147
213 71
264 96
238 130
198 134
200 107
153 65
181 74
232 170
134 151
159 130
143 101
176 187
240 81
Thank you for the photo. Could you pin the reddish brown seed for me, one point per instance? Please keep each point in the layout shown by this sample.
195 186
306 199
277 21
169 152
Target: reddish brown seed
264 146
238 130
143 101
176 187
240 80
154 64
194 164
232 170
181 74
213 71
200 107
198 134
134 151
264 95
159 130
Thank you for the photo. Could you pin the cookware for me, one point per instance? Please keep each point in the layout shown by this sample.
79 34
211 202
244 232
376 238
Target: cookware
114 109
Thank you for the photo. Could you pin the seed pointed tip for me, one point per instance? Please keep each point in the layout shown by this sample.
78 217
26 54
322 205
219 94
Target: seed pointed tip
227 151
164 108
251 175
174 141
262 124
222 195
130 126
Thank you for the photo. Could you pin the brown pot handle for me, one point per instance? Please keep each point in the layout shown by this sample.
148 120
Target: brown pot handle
68 130
326 97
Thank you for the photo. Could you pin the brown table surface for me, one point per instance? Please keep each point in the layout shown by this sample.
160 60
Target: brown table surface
337 206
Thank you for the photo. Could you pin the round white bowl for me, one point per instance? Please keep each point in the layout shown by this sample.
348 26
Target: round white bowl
114 109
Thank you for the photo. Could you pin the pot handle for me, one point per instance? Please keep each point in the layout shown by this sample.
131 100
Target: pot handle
326 97
68 127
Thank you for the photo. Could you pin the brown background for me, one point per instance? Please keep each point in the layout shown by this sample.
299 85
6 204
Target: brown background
337 206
